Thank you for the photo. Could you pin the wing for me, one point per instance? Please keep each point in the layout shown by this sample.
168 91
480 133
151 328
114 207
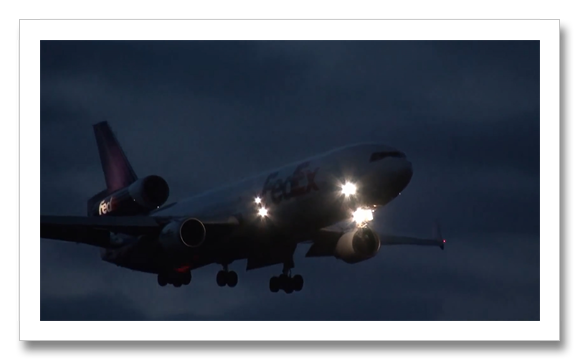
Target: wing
325 241
437 240
95 231
392 240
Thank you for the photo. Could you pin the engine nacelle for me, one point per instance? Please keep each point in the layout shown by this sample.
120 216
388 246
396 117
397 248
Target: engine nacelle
180 235
141 197
149 192
357 245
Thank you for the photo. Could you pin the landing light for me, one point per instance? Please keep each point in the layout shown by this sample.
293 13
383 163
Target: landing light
362 216
348 189
263 212
258 200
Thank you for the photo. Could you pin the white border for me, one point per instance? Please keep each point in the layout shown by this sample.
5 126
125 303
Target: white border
547 31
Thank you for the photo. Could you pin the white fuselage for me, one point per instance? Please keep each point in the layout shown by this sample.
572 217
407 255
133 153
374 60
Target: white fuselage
306 195
300 199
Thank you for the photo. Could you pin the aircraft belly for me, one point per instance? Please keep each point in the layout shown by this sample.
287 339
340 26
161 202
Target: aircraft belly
141 256
268 256
262 242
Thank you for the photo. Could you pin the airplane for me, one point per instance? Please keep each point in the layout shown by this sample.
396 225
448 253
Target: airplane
260 219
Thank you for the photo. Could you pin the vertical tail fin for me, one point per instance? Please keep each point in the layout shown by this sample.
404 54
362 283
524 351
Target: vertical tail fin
117 169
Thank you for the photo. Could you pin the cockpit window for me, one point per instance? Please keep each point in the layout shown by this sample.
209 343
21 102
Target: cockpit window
381 155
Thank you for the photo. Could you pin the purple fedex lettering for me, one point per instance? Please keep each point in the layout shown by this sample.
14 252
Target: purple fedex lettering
290 187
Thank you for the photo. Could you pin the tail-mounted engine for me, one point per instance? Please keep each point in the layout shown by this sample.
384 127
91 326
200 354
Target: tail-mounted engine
357 245
140 197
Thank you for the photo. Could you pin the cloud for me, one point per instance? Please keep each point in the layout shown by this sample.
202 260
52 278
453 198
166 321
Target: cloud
205 114
477 277
92 307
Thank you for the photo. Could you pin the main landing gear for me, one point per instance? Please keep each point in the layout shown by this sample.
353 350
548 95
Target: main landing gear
286 281
177 279
225 277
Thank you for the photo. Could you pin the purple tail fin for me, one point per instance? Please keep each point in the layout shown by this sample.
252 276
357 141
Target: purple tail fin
117 169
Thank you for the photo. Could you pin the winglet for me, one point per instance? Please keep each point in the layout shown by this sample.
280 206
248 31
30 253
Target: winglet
437 235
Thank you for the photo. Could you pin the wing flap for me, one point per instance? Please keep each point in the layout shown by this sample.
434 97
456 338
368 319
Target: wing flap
78 234
129 225
95 231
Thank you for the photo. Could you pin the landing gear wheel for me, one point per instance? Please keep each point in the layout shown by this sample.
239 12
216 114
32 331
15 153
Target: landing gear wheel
221 278
286 283
177 284
274 284
232 279
161 280
288 287
297 283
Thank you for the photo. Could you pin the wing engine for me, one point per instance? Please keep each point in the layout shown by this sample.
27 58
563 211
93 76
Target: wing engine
179 235
357 245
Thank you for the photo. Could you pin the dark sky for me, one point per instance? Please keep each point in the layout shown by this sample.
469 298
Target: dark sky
203 114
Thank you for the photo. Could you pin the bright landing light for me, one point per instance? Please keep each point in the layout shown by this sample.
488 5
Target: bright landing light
362 216
263 212
348 189
258 200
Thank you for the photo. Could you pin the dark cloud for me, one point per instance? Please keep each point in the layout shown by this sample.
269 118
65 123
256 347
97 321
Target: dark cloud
101 308
202 114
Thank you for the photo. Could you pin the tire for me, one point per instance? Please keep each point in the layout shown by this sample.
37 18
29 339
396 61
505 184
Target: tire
221 278
274 284
161 280
297 283
232 279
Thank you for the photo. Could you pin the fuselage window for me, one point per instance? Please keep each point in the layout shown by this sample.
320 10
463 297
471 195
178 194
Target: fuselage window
381 155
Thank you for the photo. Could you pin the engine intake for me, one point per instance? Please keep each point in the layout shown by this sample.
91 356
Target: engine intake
190 233
358 245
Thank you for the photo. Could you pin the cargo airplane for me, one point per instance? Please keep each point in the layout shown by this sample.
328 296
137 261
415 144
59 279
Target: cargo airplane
260 219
